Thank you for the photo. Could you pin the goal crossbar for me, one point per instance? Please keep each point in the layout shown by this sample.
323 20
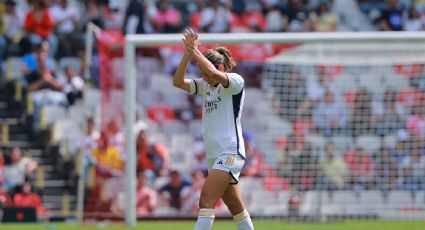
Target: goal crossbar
134 41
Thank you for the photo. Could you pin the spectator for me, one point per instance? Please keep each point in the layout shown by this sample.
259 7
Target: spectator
167 19
305 171
85 144
295 17
152 157
274 19
323 19
19 169
73 86
416 122
359 163
135 17
402 148
334 169
316 89
253 19
413 169
419 81
109 166
190 194
291 96
388 118
13 20
30 63
43 87
93 15
293 147
330 116
361 113
413 21
4 197
146 198
385 170
391 18
67 23
216 18
254 160
27 198
171 192
108 159
39 24
200 158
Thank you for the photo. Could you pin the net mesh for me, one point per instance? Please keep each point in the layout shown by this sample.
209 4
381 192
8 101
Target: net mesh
332 130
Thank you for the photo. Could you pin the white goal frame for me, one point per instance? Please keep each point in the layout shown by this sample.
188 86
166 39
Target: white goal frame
134 41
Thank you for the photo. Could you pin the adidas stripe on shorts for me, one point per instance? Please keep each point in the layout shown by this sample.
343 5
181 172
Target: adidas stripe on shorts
228 162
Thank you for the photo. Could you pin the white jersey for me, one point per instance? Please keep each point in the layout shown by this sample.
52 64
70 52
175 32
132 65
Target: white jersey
221 115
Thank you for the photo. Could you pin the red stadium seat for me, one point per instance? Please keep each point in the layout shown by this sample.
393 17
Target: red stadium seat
161 114
409 97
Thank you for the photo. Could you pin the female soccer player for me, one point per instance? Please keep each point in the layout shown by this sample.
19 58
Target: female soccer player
223 96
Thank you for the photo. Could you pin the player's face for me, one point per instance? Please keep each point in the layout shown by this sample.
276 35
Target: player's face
211 81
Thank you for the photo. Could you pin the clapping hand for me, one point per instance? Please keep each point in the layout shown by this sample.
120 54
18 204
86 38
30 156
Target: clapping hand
190 40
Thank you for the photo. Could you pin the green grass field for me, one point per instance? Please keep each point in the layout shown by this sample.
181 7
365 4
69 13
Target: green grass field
229 225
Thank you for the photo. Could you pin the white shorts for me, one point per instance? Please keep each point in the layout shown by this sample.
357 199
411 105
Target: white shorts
228 162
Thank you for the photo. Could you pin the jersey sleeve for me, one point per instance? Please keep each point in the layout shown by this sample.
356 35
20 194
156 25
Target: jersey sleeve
196 86
236 83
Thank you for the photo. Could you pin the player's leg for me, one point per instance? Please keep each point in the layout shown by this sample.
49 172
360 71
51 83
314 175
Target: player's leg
233 199
214 187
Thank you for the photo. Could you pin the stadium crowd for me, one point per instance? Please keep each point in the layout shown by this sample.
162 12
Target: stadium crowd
41 33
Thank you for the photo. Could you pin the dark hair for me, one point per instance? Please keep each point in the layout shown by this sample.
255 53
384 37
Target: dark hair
220 55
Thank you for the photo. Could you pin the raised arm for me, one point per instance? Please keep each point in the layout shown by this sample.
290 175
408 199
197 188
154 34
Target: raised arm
179 81
207 68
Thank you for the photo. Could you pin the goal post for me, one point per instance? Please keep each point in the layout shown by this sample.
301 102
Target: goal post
132 42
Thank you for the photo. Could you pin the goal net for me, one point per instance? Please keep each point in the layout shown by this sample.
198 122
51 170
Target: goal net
334 126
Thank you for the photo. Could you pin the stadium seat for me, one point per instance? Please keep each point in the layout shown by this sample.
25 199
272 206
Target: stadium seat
161 82
195 128
371 202
74 62
91 97
309 203
390 141
50 114
395 82
66 129
160 181
342 144
399 200
165 212
369 143
262 201
248 185
174 127
317 143
147 97
181 142
13 68
77 114
176 99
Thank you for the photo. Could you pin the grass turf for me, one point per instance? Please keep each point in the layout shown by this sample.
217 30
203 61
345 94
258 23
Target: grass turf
229 225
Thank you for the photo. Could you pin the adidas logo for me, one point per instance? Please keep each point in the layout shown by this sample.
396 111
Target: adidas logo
220 162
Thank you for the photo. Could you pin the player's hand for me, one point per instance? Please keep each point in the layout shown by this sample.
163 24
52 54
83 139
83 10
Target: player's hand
191 41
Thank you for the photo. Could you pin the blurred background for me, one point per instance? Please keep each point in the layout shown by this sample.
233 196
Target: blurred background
331 132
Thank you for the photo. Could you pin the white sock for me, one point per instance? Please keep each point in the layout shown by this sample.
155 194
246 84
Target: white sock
205 219
243 220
